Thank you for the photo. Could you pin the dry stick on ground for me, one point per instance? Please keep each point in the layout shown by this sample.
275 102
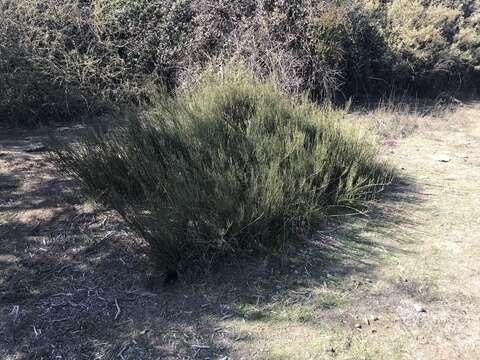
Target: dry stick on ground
120 354
118 309
15 313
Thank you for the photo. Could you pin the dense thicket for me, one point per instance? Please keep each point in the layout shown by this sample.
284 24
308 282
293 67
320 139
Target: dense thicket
60 58
229 166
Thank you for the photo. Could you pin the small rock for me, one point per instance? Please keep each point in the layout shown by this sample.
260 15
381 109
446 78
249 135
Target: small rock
373 318
329 349
374 331
441 158
419 308
358 326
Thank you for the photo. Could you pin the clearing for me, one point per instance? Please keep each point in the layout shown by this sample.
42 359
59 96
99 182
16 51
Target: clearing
402 283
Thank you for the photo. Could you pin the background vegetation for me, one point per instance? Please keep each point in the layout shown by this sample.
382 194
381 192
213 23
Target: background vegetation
62 58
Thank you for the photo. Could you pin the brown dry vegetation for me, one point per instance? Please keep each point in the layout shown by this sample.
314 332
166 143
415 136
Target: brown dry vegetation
64 58
80 286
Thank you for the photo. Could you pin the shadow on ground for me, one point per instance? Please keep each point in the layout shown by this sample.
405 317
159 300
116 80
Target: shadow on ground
73 278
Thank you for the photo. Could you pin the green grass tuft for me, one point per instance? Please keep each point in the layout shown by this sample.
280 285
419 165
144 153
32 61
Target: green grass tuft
230 166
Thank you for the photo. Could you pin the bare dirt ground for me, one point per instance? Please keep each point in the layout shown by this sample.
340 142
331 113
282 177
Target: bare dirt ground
400 283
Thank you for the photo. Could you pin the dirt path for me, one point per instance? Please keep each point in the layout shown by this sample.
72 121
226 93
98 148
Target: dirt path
446 260
401 284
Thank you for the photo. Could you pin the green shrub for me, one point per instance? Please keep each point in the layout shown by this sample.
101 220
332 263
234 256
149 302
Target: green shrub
348 37
232 165
435 43
466 42
64 58
150 38
30 86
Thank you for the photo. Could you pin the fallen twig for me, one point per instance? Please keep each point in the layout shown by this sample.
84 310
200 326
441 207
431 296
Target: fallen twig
36 332
34 228
59 320
118 309
15 314
202 347
120 354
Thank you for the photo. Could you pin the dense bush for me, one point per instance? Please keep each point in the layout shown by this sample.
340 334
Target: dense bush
274 41
70 57
60 58
348 37
229 166
148 37
435 44
28 90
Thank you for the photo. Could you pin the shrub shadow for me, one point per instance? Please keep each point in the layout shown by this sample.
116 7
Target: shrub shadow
78 277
